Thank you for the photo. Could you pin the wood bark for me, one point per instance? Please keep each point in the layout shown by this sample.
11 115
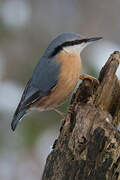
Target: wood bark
88 147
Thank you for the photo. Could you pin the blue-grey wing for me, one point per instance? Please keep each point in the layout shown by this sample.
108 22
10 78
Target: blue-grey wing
43 79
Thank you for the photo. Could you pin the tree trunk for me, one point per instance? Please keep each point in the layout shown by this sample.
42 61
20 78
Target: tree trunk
88 147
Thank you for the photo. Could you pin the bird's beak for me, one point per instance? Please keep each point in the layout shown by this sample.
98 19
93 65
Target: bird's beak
93 39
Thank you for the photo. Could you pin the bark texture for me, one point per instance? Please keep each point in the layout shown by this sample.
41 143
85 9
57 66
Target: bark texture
88 147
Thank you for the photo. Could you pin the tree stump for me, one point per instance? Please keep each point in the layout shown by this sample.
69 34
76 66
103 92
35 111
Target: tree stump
88 147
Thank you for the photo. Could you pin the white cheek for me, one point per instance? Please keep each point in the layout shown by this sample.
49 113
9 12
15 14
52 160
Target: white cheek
75 49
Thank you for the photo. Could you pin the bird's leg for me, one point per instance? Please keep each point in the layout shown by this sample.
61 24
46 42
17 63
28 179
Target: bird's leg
70 108
93 79
60 113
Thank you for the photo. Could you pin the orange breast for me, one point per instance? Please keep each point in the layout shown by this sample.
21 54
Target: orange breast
67 81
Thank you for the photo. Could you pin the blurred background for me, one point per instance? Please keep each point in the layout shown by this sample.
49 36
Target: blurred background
26 28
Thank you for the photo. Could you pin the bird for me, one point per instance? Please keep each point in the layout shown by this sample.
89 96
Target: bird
55 76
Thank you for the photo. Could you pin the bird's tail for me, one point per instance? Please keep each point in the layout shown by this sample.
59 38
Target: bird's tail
17 117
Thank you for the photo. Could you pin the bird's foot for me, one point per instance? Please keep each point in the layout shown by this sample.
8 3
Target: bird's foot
93 79
60 113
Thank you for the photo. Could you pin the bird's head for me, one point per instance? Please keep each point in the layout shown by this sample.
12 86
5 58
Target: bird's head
69 43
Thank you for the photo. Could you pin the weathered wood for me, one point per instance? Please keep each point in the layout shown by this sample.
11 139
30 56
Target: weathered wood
88 147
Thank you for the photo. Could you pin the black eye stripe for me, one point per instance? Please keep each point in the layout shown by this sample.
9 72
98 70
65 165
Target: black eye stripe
55 51
66 44
75 42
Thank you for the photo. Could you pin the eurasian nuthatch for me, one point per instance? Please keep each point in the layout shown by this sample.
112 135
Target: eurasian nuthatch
55 76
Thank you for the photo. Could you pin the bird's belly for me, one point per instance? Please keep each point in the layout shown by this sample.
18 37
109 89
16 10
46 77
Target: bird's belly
58 95
63 91
67 81
65 87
